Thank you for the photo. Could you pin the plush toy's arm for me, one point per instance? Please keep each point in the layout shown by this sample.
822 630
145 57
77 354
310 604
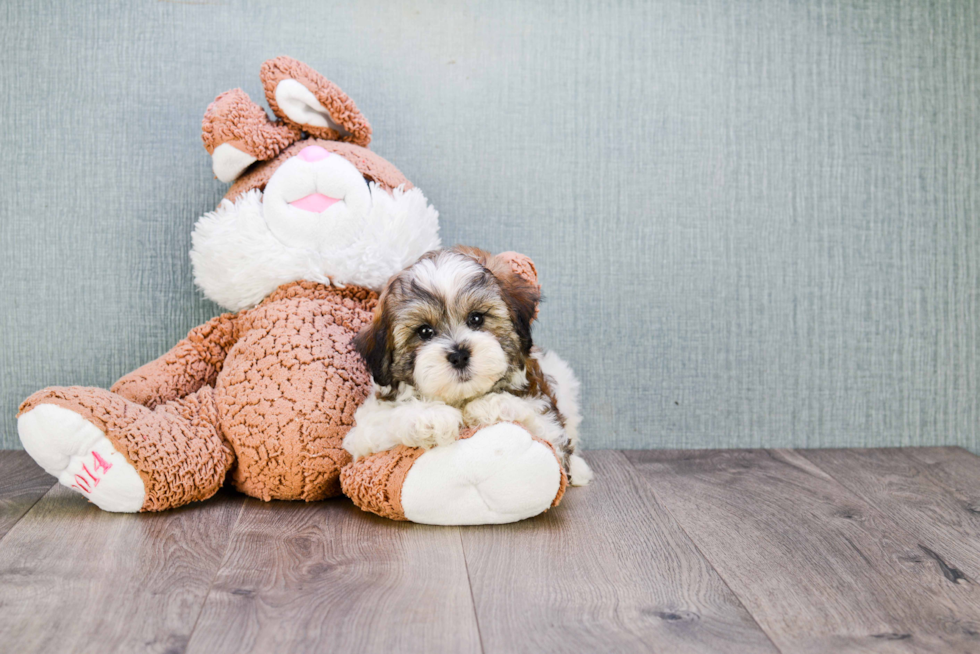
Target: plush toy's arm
192 363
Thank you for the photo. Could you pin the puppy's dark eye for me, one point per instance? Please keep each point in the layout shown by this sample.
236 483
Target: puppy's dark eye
425 332
474 320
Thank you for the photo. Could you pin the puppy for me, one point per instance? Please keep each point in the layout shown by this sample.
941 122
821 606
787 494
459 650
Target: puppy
450 347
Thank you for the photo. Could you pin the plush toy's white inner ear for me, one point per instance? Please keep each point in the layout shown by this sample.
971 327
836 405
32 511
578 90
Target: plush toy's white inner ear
228 162
302 107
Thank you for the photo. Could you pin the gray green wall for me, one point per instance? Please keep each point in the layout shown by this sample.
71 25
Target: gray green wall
757 222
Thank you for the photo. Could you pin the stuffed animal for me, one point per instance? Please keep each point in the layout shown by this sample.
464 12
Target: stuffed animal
313 225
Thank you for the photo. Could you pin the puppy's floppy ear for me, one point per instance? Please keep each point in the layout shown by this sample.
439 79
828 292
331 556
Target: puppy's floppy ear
373 344
520 289
523 299
518 279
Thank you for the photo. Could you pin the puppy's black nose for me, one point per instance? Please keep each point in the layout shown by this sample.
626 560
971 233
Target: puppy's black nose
459 357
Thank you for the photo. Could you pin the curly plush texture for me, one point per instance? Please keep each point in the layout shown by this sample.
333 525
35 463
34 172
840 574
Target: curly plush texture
288 393
192 363
372 166
266 395
374 483
234 119
522 265
273 389
175 448
340 107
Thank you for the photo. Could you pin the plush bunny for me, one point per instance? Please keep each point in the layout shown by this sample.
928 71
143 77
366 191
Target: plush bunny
313 225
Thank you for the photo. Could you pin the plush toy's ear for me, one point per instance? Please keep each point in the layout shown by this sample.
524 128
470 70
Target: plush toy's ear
373 344
521 264
237 133
309 101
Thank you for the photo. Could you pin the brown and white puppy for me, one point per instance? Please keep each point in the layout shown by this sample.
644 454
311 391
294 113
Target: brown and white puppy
450 347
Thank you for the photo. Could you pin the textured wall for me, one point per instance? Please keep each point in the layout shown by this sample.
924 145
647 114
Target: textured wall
756 221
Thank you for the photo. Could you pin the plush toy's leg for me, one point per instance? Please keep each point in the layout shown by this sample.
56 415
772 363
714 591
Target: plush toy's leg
493 475
121 455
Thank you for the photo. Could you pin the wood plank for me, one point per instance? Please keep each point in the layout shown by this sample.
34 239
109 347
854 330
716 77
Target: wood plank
938 506
329 577
820 569
606 571
22 484
954 468
74 578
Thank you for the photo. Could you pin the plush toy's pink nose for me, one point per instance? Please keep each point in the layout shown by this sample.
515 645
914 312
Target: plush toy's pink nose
313 153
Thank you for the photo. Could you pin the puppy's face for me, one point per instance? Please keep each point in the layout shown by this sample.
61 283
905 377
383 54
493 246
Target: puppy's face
454 325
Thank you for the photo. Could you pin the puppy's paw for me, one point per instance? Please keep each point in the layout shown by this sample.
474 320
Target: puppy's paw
439 424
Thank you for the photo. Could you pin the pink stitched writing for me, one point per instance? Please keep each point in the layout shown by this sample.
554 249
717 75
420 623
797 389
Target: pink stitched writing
88 481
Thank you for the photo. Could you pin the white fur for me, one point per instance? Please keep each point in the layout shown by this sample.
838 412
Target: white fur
238 261
534 415
381 425
437 379
530 412
72 449
580 474
566 389
410 420
498 475
446 274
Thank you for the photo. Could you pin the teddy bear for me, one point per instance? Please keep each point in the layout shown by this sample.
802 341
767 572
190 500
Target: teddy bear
313 225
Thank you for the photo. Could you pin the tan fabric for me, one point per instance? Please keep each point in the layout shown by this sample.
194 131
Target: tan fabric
563 484
340 107
522 265
175 448
192 363
286 382
289 388
233 118
372 166
374 483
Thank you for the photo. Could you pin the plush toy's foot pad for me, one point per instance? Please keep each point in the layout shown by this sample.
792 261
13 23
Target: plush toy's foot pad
75 451
498 475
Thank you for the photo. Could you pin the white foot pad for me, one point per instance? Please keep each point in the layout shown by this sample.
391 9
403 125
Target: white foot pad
75 451
497 475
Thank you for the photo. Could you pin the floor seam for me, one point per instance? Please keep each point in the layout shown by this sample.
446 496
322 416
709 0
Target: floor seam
29 509
697 547
469 582
221 566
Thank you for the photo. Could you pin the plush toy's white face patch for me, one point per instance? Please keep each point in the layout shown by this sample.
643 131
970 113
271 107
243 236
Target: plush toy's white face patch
316 200
317 220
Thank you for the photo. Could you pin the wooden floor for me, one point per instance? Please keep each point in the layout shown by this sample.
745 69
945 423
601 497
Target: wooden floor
667 551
